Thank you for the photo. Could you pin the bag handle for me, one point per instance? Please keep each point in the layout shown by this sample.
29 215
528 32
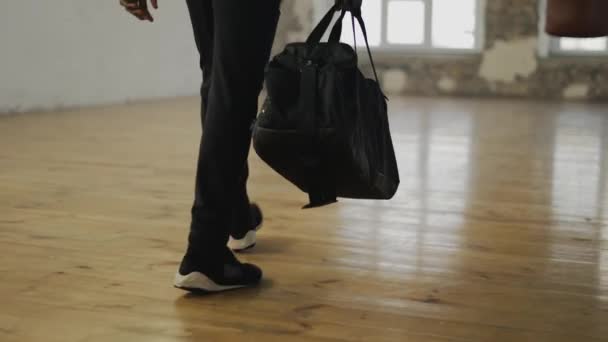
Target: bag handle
369 51
352 6
336 34
318 32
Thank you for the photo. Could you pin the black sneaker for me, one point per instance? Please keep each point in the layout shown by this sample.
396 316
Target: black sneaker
246 239
196 274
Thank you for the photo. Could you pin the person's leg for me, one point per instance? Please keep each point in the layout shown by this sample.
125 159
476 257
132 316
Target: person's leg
244 215
201 16
242 39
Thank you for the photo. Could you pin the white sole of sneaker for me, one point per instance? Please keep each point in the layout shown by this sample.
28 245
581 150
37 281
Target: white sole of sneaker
246 242
197 281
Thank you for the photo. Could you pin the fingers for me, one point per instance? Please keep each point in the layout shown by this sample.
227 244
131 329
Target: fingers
154 4
135 8
141 14
146 15
129 5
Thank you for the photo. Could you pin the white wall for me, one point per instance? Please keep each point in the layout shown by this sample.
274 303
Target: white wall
66 53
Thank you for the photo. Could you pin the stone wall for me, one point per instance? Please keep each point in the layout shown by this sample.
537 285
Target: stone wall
509 65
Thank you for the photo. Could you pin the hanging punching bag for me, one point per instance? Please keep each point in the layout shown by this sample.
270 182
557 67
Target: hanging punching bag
577 18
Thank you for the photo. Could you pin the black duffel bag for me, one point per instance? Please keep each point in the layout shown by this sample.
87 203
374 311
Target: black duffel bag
324 126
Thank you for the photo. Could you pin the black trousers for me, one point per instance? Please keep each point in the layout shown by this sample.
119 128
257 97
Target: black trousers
234 39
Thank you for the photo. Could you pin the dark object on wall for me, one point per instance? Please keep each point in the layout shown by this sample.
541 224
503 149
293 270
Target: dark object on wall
324 126
577 18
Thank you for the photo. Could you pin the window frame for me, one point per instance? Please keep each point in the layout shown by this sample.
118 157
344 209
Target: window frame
426 47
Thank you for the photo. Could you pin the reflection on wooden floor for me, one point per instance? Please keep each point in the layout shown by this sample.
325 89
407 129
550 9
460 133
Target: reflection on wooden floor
498 233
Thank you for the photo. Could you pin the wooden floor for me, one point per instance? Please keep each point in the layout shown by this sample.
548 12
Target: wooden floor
498 233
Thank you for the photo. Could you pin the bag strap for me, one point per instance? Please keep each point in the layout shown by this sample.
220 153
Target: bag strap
336 32
369 52
353 6
319 30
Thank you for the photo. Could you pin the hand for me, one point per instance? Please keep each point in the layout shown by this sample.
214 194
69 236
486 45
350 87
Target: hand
139 8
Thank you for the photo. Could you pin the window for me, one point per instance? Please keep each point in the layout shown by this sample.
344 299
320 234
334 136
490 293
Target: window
421 25
579 46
